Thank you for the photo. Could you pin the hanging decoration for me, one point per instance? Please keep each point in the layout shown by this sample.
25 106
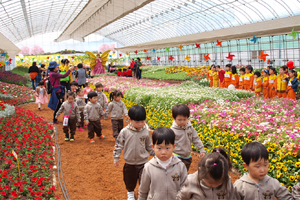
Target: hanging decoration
254 39
127 54
158 58
290 64
148 58
73 57
4 54
120 55
171 58
263 56
230 56
187 58
206 57
48 58
153 50
268 61
7 63
2 63
180 47
58 57
136 52
219 43
198 46
294 34
145 50
167 49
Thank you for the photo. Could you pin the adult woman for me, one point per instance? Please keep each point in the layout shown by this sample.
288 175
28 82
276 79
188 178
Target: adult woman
81 74
58 92
65 81
132 66
98 69
138 68
34 70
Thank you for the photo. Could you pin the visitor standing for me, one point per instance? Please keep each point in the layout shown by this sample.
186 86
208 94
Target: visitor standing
81 74
138 68
34 70
58 91
132 67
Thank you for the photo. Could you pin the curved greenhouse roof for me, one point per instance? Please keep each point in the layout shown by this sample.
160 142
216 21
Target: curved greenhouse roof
132 22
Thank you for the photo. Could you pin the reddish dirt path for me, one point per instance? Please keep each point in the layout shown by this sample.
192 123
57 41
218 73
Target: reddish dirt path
88 169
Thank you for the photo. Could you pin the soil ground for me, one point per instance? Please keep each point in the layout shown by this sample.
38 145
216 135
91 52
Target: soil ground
88 169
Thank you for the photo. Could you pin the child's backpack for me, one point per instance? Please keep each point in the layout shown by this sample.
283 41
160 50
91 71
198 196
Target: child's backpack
49 86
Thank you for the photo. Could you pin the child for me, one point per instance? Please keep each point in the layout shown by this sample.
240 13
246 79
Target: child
228 75
272 85
41 95
223 152
293 83
211 181
257 184
80 100
210 75
185 135
92 114
86 90
71 111
221 73
241 79
257 83
296 191
124 73
100 95
119 72
234 77
281 83
129 72
266 83
162 165
117 109
136 141
74 86
248 78
215 76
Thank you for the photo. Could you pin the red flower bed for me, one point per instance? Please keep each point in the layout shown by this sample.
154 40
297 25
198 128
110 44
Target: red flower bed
29 135
21 94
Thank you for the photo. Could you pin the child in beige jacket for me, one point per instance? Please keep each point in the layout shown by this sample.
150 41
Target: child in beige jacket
256 184
211 181
136 142
185 134
165 174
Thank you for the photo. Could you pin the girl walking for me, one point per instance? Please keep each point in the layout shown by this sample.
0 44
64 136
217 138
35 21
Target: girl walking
41 95
117 109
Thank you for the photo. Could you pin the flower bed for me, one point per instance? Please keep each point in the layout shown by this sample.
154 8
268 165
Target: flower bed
29 136
166 97
10 77
16 94
125 83
6 110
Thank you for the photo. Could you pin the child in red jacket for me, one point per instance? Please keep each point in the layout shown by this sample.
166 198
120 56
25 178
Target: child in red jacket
119 72
129 72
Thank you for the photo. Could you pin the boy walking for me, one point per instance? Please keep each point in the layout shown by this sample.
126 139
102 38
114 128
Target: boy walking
136 142
257 184
92 114
164 164
185 134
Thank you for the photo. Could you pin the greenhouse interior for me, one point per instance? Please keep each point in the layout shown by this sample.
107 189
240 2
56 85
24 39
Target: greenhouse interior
202 97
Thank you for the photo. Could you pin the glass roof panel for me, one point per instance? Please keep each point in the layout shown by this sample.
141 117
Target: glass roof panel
164 19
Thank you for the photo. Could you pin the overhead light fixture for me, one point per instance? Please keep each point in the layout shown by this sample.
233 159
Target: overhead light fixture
167 11
161 14
178 7
185 4
193 1
172 9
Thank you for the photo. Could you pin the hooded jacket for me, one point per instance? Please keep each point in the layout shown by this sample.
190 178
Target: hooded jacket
117 110
268 188
135 145
93 111
184 138
296 191
293 84
66 108
191 190
152 187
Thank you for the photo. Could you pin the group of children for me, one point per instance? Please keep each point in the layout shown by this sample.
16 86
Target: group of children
125 72
268 84
165 176
84 107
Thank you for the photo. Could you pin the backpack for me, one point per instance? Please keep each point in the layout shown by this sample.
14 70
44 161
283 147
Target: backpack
49 86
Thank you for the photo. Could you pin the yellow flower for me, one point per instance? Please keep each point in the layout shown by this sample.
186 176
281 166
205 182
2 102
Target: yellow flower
297 164
244 170
292 178
294 154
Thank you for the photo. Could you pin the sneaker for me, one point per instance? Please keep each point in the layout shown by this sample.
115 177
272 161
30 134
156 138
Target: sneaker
102 137
84 126
72 138
92 140
67 137
130 195
80 129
